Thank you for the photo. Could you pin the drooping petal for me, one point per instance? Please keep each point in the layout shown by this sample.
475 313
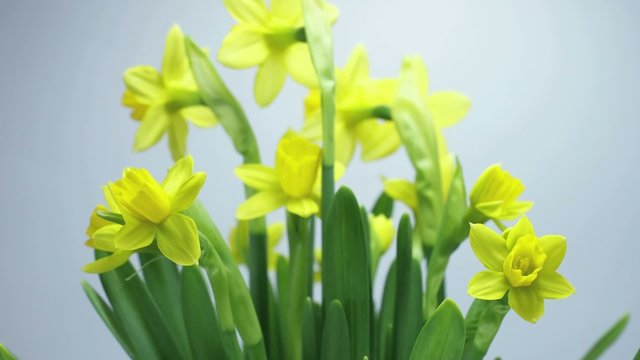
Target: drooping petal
489 247
286 9
105 237
356 69
178 133
135 234
515 209
188 192
488 285
552 286
378 140
260 204
526 303
175 65
298 62
274 234
345 143
243 47
178 240
154 125
107 263
402 190
258 176
199 115
145 83
96 222
448 107
138 107
521 228
270 78
247 11
177 175
304 207
491 209
554 246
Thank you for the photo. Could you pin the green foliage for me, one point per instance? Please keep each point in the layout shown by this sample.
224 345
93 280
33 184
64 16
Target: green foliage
442 337
607 339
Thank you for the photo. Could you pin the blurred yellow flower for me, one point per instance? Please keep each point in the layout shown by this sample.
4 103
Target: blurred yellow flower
495 194
239 242
522 264
165 100
152 210
382 231
272 39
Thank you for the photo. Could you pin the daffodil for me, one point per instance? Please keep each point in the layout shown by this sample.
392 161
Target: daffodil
273 40
521 264
165 100
382 231
495 196
152 211
292 183
239 242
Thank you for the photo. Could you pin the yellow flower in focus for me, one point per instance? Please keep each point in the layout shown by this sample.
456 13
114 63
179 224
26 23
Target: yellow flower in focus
273 40
522 264
382 231
239 242
495 195
152 210
165 100
291 183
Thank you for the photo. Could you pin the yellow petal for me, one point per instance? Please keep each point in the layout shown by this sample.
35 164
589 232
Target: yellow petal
521 228
304 207
199 115
345 143
177 175
138 107
286 9
448 107
378 139
145 83
554 246
517 208
489 247
178 240
402 190
96 222
260 204
269 80
274 234
105 237
175 65
488 285
153 126
297 163
553 286
178 133
383 228
107 263
135 234
111 202
188 192
258 176
526 303
243 47
298 62
356 69
249 11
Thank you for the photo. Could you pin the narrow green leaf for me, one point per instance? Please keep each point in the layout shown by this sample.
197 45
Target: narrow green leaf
384 322
637 356
442 337
482 324
335 336
309 336
106 314
274 349
383 205
346 271
202 327
5 354
607 339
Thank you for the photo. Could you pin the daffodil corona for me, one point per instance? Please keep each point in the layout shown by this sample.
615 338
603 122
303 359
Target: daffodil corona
521 264
495 196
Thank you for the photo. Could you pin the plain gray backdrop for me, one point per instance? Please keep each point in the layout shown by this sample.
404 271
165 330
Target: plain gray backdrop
554 86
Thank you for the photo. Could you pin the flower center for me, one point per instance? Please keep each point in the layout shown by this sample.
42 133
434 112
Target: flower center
141 196
524 262
297 162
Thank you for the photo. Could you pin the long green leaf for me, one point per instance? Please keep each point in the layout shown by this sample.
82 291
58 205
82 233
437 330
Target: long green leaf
442 337
5 354
384 322
274 348
346 271
310 336
335 336
106 314
383 205
482 324
607 339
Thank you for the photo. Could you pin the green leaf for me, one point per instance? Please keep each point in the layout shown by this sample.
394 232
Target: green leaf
201 321
335 336
482 324
637 356
607 339
442 337
383 205
5 354
274 349
346 270
384 328
312 329
106 314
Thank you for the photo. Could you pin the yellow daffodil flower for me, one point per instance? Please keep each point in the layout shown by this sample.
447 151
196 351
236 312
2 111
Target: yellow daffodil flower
101 235
382 231
152 211
165 100
239 242
495 194
273 40
522 264
291 183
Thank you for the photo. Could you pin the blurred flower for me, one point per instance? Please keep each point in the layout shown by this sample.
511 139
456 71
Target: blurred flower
495 195
520 263
272 39
165 100
382 231
239 242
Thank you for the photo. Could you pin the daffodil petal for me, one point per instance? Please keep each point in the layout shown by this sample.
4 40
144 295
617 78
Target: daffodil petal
258 176
521 228
489 247
286 9
176 176
135 234
488 285
491 209
153 126
104 238
304 207
274 234
188 192
111 202
554 246
377 139
526 303
178 133
345 144
145 83
107 263
243 47
199 115
270 78
299 65
357 67
175 66
249 11
178 240
402 190
552 286
95 221
448 107
260 204
517 208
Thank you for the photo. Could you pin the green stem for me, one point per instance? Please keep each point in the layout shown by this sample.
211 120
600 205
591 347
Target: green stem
500 225
482 324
